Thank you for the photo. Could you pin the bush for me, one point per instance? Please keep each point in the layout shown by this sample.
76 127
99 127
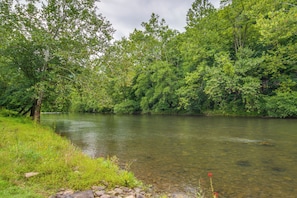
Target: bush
282 105
128 106
8 113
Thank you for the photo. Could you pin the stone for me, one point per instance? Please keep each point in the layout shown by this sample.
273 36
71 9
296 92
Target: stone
31 174
112 192
67 196
130 196
118 191
179 195
84 194
98 188
140 196
243 163
63 193
67 192
99 193
137 190
127 190
105 196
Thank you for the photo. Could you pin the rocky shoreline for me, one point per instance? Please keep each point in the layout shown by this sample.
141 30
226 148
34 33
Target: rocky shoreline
117 192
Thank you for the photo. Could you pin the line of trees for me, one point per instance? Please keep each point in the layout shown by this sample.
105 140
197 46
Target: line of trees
239 59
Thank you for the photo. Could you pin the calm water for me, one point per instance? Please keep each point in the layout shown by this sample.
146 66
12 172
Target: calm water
249 157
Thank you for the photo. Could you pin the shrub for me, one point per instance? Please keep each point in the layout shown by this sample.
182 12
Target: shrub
8 113
282 105
128 106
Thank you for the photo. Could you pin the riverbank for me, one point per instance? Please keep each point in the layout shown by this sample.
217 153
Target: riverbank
36 161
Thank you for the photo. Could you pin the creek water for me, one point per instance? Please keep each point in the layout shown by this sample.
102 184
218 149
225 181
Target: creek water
248 157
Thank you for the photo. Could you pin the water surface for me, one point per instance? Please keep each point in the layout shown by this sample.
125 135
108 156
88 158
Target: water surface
249 157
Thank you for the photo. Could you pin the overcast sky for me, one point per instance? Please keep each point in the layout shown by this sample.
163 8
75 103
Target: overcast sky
126 15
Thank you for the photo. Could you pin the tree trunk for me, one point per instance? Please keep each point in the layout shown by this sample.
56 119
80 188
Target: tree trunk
37 108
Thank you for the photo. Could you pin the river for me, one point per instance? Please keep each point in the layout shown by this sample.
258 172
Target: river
248 157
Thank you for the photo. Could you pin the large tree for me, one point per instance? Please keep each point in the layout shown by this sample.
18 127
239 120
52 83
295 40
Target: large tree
278 29
199 10
48 43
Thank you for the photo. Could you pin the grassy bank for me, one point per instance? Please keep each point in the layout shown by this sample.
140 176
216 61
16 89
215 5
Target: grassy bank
27 147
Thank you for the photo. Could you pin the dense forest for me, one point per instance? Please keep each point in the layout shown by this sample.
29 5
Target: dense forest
239 59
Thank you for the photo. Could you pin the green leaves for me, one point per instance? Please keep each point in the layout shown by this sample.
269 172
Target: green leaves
227 60
235 82
282 105
279 26
190 94
50 40
279 36
234 59
199 10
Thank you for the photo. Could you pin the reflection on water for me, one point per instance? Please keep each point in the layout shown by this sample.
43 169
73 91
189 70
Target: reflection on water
248 157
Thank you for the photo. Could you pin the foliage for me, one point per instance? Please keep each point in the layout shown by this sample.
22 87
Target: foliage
234 60
235 84
282 105
127 107
49 45
8 113
191 95
199 10
27 147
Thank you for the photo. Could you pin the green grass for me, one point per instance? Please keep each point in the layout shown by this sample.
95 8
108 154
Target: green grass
11 191
28 147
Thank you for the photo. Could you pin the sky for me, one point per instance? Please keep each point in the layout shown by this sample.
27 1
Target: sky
126 15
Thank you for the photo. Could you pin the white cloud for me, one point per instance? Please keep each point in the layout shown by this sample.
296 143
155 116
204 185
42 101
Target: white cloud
126 15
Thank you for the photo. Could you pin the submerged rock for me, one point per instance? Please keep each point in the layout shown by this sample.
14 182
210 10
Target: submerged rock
243 163
278 169
266 143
